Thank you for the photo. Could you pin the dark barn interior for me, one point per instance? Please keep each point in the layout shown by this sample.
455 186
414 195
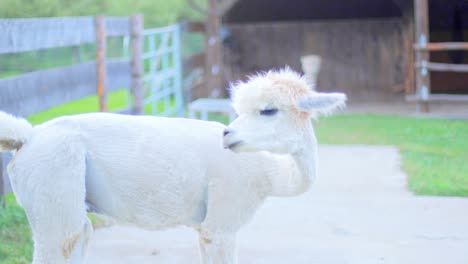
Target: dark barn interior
366 46
449 23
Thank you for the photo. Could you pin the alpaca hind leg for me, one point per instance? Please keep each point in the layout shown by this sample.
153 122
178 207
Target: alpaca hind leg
50 186
69 250
60 232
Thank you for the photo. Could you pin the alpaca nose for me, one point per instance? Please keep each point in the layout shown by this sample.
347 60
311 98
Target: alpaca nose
227 132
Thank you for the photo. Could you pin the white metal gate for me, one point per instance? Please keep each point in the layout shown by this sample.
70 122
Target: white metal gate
162 71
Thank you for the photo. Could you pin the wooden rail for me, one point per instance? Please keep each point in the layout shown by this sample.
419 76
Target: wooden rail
439 97
37 91
33 92
443 67
28 34
442 46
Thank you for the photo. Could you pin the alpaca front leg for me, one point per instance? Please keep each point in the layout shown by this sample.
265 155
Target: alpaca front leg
50 248
218 248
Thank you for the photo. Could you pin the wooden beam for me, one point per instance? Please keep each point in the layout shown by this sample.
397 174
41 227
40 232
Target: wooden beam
408 41
442 46
440 97
423 84
101 46
443 67
136 22
213 48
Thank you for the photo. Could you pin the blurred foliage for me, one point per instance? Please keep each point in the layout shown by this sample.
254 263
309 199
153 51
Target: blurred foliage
156 12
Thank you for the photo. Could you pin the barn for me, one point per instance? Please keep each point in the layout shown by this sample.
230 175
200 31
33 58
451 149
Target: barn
374 50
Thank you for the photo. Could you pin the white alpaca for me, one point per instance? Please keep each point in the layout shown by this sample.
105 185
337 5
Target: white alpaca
161 172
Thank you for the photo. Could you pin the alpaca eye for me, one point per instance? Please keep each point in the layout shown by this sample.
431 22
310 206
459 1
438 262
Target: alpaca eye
269 112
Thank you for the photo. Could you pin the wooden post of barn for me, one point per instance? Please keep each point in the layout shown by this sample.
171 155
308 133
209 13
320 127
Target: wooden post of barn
423 82
101 45
408 44
136 46
213 62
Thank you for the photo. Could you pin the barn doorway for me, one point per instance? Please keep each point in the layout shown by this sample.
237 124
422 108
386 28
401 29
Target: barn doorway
448 22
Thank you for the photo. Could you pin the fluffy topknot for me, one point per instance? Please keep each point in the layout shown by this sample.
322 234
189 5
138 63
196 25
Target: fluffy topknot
281 88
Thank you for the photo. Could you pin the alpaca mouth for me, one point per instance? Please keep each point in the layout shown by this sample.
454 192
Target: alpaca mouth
233 145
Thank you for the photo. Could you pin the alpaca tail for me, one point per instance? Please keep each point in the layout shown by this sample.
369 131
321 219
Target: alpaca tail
14 132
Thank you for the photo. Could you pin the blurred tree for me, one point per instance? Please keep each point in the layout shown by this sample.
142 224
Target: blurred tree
156 12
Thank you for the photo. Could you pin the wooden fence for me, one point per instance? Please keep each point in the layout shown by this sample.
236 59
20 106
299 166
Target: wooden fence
37 91
423 66
40 90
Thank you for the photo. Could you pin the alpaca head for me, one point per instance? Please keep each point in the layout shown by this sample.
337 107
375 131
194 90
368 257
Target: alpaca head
274 111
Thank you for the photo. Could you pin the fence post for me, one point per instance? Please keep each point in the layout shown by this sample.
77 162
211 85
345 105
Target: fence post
178 68
2 183
423 82
213 48
101 45
136 29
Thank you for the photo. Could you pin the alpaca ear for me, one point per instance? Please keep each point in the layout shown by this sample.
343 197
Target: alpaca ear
322 103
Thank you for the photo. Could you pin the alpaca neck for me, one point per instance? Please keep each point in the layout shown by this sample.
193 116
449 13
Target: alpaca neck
294 173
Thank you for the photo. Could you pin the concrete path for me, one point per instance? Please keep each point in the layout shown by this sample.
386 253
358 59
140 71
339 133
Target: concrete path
358 212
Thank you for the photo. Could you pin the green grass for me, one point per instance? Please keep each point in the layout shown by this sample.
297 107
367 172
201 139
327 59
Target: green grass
15 235
116 100
434 151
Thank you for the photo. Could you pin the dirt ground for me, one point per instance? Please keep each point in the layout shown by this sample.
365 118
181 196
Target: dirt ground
358 211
